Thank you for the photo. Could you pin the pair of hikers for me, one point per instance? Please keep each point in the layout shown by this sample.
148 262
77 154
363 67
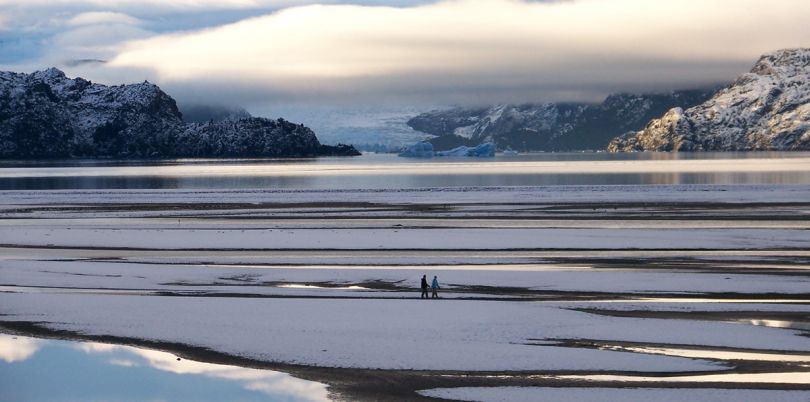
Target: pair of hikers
434 286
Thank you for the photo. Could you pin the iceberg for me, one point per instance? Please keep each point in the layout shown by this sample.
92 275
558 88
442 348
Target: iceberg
485 150
425 150
418 150
455 152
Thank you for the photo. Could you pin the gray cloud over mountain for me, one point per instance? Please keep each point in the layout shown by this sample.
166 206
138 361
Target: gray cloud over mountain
255 52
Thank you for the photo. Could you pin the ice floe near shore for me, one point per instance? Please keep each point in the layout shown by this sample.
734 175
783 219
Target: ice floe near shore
425 150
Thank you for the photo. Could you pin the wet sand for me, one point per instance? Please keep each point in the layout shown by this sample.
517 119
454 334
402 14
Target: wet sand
401 385
734 264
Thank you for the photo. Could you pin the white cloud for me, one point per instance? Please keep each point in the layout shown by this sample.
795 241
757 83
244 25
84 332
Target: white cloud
102 17
453 51
123 363
152 6
270 382
32 29
95 347
134 3
479 48
93 38
17 349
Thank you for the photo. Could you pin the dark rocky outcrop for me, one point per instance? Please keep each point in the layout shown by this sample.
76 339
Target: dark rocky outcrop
48 115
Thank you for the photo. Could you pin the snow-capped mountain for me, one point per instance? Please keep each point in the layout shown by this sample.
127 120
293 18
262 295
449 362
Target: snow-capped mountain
48 115
765 109
551 126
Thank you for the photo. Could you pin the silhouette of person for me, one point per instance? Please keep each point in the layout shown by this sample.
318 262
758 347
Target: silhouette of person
424 287
435 287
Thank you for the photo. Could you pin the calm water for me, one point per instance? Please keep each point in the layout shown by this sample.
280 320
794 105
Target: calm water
389 171
35 370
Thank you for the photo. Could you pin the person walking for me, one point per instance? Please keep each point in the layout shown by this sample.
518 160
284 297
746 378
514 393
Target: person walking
424 287
435 287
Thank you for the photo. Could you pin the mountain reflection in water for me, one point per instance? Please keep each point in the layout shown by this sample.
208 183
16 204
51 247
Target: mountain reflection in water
388 171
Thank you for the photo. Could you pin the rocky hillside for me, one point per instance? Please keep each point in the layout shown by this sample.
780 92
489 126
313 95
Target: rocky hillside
202 113
551 126
765 109
47 115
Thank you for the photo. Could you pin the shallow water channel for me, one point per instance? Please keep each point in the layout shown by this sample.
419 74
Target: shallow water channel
34 370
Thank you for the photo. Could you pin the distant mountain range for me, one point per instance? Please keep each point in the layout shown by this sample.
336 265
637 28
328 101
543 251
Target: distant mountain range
551 126
765 109
47 115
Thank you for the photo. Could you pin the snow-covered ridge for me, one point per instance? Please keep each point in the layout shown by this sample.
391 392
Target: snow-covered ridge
45 114
551 126
767 108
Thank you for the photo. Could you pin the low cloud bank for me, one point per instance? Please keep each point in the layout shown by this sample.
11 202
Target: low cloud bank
452 51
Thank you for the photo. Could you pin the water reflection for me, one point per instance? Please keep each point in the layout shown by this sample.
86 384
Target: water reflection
784 371
803 326
716 354
605 394
387 158
700 300
40 370
388 171
795 378
15 349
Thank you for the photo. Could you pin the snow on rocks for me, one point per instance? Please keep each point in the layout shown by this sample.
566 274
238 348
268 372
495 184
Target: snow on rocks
534 394
767 108
552 126
53 116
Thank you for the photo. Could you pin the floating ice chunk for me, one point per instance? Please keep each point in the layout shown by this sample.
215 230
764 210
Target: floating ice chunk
418 150
425 150
455 152
485 150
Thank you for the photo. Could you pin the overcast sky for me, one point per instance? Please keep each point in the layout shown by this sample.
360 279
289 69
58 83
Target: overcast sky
264 52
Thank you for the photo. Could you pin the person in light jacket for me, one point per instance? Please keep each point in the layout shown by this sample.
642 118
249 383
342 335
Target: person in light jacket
435 287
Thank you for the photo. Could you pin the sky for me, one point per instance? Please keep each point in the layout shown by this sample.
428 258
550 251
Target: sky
265 54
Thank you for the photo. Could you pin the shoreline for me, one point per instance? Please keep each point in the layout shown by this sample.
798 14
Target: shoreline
172 278
402 385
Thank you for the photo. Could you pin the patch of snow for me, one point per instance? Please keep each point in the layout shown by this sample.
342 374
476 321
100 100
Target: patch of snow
466 335
542 394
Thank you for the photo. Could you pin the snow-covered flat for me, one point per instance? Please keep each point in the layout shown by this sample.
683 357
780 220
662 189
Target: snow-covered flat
101 274
543 394
593 194
397 334
536 282
425 239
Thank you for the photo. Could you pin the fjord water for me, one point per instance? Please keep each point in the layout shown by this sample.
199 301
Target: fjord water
45 370
375 171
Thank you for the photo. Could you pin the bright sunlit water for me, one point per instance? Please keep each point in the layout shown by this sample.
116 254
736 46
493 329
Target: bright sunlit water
389 171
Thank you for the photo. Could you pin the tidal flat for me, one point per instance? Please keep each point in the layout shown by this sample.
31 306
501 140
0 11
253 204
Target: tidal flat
639 290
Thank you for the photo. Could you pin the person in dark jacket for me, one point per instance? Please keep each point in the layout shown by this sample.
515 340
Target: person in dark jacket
435 287
424 287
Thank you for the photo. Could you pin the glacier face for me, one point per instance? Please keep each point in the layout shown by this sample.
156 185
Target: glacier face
767 108
48 115
551 126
